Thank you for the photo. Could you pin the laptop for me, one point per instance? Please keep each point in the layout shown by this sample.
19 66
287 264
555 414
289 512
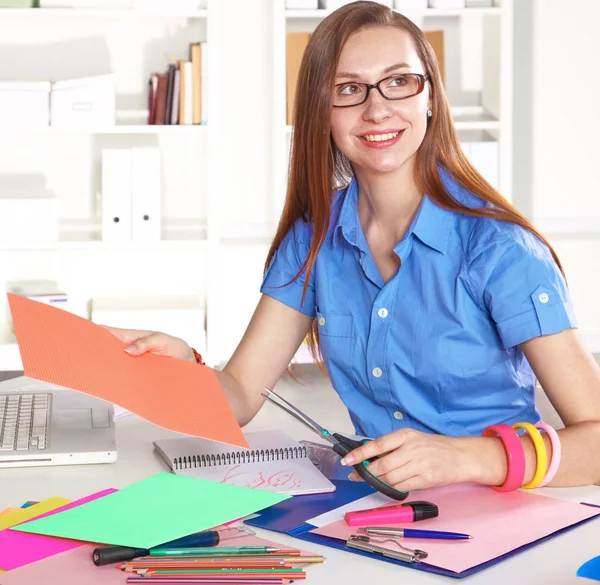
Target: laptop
45 424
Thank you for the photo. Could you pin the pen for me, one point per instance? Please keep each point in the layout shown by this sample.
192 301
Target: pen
412 533
113 554
211 552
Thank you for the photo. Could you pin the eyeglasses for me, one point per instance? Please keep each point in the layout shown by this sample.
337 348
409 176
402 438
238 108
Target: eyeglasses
396 87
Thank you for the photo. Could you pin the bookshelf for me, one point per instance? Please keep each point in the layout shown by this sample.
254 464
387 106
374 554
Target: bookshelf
69 43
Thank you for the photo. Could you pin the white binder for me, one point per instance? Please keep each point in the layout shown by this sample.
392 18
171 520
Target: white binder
146 195
116 194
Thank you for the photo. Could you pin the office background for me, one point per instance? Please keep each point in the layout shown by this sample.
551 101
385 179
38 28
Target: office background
221 182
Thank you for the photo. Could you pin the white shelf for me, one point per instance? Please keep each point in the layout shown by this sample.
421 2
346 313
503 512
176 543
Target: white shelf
428 13
116 129
41 13
176 233
87 235
474 119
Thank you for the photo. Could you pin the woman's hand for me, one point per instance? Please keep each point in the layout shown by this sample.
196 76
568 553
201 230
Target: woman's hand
140 342
411 460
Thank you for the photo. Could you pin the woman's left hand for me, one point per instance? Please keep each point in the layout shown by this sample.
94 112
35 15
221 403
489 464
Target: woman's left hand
412 460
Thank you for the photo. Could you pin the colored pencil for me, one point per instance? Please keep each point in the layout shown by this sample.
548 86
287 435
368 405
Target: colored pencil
211 581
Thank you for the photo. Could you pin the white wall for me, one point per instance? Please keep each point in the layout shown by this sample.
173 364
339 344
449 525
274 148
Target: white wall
556 132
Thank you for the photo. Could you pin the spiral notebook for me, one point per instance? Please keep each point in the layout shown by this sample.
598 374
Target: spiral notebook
275 462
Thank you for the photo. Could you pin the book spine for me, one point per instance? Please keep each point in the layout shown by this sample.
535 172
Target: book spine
170 88
161 99
238 458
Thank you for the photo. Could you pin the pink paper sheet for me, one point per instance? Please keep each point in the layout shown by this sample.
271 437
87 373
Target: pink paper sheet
498 522
75 567
21 548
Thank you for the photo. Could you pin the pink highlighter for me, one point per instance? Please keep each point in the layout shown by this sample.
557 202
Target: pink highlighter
407 512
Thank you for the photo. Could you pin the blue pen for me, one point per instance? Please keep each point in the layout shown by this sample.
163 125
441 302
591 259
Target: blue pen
413 533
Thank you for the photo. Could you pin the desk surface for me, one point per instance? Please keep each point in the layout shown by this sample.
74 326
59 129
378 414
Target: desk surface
553 562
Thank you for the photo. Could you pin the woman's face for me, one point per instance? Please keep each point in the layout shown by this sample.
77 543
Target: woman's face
379 135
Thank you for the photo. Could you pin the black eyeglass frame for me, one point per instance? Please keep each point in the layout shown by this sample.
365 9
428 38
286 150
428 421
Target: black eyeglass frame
420 76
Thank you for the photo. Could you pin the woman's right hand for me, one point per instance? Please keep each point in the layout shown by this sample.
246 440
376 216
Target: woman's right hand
140 342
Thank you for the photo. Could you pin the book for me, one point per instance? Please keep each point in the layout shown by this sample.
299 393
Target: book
295 45
275 462
152 91
176 89
161 99
436 40
170 88
204 81
196 59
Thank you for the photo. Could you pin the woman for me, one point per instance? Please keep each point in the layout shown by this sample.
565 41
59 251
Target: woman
435 303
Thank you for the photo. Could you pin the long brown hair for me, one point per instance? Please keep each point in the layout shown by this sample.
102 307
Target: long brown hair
317 166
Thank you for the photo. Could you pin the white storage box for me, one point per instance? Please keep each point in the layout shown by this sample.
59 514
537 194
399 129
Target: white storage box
87 102
179 315
83 4
42 291
28 219
171 5
335 4
302 4
447 4
24 104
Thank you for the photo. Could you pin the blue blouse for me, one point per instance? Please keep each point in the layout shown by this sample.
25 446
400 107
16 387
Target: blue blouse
436 348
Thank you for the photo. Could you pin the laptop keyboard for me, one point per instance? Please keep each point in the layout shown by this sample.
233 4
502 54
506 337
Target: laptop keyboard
23 421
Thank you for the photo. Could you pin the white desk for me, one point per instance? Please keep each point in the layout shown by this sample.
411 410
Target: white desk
553 562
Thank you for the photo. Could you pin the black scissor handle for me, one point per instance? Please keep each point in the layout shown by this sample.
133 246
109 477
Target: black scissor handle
344 447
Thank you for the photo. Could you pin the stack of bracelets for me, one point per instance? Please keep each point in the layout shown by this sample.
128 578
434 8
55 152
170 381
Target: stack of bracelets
515 454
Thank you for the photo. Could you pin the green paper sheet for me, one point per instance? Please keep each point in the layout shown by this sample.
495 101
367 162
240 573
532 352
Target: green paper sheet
155 510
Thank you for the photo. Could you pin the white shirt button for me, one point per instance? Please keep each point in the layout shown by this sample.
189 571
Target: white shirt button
360 261
377 372
322 321
544 298
398 415
383 313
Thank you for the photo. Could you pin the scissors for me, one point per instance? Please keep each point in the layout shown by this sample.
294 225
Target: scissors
340 444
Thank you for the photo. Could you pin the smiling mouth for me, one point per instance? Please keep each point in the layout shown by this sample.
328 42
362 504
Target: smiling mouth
379 137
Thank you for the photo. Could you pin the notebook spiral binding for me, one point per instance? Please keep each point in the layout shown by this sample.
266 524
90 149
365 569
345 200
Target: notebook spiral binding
235 458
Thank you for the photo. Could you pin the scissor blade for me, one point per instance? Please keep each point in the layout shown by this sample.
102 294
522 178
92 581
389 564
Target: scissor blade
299 416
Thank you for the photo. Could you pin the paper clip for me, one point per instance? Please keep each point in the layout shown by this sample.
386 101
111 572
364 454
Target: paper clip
367 544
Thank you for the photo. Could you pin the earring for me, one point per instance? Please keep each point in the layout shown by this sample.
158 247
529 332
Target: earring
429 113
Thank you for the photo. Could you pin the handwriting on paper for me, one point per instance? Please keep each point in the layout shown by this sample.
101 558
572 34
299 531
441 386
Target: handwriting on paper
283 478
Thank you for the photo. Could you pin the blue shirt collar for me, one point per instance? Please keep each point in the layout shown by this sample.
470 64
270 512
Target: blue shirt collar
431 223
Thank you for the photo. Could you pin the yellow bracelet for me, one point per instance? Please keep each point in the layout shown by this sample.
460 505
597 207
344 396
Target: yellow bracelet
540 452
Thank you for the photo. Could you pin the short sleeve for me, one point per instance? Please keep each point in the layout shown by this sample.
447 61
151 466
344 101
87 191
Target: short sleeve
286 263
518 282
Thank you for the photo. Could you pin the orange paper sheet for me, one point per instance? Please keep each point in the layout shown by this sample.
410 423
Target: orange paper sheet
61 348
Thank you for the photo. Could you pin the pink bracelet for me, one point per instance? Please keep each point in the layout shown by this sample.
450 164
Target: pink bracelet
556 452
515 456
